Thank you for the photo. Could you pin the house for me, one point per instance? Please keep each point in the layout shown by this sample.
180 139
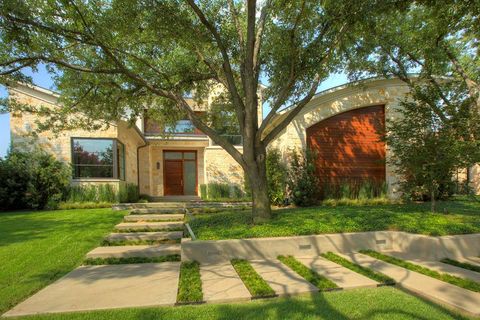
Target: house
342 125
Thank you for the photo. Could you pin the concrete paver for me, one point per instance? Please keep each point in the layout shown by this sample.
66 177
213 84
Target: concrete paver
153 217
343 277
221 283
282 279
106 287
144 236
134 251
441 267
149 225
472 260
428 287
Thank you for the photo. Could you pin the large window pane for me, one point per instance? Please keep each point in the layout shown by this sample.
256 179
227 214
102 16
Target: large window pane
182 126
173 155
93 158
189 177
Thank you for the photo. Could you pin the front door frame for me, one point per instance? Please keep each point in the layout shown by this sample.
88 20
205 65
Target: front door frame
181 160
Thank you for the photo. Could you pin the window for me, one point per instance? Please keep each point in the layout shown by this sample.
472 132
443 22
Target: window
98 158
182 126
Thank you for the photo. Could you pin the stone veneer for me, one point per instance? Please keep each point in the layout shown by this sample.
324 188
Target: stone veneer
23 124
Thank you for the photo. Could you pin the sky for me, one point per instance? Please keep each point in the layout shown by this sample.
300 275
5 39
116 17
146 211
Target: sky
43 79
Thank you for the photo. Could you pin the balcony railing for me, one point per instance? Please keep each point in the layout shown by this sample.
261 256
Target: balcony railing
236 140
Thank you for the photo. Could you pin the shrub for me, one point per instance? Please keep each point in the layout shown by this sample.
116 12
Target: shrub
105 193
276 177
128 193
303 182
33 179
354 189
221 191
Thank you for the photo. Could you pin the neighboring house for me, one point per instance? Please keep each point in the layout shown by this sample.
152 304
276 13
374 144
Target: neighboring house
342 125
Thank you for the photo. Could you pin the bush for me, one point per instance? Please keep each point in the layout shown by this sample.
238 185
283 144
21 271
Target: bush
221 191
303 182
354 189
276 177
128 193
32 180
103 193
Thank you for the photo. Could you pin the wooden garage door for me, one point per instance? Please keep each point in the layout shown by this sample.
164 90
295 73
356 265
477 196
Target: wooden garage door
348 146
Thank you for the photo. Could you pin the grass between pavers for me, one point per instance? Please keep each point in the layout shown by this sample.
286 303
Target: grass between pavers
321 282
463 265
462 217
359 304
457 281
255 284
131 260
367 272
110 243
190 283
39 247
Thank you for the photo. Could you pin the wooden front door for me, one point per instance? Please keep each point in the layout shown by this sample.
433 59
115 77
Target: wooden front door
180 173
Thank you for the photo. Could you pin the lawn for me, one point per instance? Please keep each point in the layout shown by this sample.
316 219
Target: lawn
453 217
38 247
376 303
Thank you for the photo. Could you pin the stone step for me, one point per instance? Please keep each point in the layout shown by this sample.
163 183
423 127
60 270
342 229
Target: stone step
149 226
221 283
157 211
145 236
281 279
153 217
427 287
344 278
146 251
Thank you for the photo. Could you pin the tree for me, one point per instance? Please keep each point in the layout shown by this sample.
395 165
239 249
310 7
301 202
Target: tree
113 58
433 46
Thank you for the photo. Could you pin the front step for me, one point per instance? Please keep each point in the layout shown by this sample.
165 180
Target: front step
144 236
158 211
145 251
149 226
153 217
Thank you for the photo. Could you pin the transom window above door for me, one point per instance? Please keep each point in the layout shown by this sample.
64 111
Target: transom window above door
180 155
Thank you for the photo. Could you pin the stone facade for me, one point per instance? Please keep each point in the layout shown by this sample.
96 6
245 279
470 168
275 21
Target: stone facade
22 125
220 167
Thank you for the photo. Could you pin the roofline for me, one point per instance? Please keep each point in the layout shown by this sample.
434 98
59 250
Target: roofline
349 85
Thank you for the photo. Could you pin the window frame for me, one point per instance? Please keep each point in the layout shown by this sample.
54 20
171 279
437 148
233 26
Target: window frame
115 143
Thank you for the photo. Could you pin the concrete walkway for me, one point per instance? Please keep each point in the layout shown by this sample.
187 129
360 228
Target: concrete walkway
282 280
344 278
430 288
441 267
106 287
221 283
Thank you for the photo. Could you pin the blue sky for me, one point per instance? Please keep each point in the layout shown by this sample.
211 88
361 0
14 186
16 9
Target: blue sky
43 79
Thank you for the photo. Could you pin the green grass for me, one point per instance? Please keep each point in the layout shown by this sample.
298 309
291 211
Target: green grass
461 217
367 272
84 205
463 265
190 284
457 281
310 275
39 247
361 304
255 284
101 261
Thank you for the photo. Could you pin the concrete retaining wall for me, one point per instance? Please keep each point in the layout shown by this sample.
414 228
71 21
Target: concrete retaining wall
268 248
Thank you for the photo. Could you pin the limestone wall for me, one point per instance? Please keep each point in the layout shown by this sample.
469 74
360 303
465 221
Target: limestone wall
220 167
379 92
23 125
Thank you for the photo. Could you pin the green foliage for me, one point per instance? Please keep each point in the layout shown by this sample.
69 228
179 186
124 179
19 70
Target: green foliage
367 272
461 217
310 275
358 202
426 153
255 284
131 260
103 193
464 265
303 182
83 205
355 189
190 284
32 179
276 177
128 193
221 192
457 281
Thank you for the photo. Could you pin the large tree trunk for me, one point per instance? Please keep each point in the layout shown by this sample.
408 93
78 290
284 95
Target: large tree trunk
257 174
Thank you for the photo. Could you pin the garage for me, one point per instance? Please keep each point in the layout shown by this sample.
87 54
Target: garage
347 147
